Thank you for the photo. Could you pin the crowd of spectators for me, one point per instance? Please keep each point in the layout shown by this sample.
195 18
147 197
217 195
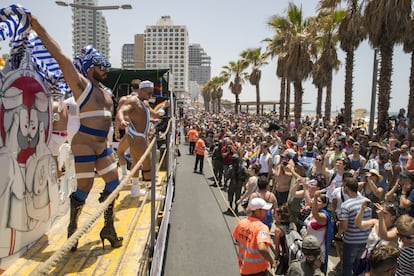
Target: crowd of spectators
320 173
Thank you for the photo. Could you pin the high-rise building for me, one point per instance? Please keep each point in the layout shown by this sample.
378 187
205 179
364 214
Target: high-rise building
166 46
128 56
199 64
83 28
133 55
139 51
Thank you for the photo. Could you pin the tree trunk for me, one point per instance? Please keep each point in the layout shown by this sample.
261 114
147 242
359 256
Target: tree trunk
287 106
410 109
282 98
328 102
349 70
218 105
384 88
319 102
298 101
236 104
257 98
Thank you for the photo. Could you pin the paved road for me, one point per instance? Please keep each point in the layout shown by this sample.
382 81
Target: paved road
200 240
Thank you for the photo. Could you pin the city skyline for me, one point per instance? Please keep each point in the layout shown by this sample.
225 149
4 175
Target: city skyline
225 29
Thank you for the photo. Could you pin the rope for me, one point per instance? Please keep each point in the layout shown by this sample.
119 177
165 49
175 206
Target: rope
44 268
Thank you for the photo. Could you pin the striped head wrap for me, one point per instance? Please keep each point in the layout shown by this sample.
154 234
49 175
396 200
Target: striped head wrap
89 58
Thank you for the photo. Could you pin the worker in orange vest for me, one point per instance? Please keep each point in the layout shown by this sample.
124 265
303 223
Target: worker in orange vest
200 148
192 138
253 237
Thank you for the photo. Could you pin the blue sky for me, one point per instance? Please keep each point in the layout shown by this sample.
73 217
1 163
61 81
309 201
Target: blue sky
224 29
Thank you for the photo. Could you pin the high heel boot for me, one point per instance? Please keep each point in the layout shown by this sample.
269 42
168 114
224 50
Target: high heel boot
76 207
108 231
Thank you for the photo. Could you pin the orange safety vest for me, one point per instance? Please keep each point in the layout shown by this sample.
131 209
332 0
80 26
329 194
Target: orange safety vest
200 147
248 233
193 135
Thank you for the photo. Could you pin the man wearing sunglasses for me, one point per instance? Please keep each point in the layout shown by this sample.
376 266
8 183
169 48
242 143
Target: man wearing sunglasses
90 145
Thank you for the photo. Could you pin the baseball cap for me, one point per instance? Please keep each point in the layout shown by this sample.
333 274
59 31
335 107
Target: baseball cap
258 203
310 242
145 84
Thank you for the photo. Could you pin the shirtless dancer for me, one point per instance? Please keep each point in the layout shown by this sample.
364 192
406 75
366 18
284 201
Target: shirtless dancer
123 143
90 143
283 178
140 115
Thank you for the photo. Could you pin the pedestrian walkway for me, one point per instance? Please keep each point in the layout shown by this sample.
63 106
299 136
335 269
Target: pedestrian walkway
200 241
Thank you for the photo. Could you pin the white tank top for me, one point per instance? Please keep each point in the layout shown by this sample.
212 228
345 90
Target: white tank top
264 162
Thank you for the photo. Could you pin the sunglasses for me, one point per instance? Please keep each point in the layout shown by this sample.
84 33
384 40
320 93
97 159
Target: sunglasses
135 86
318 159
104 68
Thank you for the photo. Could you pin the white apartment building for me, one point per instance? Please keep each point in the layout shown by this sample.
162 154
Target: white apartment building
83 29
166 46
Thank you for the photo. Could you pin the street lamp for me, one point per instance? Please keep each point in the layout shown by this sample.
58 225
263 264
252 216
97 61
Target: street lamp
93 9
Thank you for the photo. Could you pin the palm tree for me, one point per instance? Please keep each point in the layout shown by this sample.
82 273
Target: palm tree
409 48
326 25
298 57
206 90
256 59
236 69
351 33
386 22
292 43
319 79
217 92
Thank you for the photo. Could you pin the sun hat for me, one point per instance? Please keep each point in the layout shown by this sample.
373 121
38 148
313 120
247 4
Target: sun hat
258 203
375 172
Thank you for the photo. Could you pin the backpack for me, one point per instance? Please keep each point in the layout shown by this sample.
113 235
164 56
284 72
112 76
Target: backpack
289 239
294 246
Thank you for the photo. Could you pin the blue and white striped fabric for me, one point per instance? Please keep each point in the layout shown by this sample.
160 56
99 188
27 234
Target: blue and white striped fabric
46 66
88 58
15 25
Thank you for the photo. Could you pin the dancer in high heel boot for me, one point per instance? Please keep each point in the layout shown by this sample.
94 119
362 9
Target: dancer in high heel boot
90 145
108 231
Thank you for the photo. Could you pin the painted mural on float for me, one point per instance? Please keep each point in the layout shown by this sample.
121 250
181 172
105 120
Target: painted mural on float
29 192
